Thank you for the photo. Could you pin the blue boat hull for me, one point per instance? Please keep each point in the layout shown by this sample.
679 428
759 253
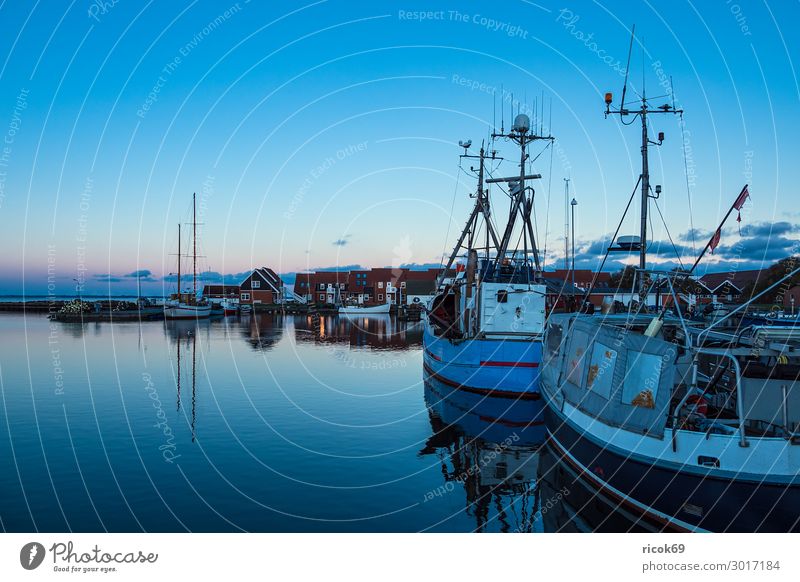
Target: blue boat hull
497 368
668 500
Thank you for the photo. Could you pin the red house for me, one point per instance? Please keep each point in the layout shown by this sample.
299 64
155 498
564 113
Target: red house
262 285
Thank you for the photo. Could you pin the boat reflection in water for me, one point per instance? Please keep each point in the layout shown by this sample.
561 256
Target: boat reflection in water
489 447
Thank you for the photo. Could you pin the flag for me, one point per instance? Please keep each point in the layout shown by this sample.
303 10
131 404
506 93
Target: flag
742 198
714 241
739 203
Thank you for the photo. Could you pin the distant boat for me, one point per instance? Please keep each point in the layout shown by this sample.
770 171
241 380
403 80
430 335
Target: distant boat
229 307
365 309
185 305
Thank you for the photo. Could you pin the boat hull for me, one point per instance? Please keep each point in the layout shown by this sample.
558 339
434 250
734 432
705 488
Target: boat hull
371 309
187 311
490 367
668 497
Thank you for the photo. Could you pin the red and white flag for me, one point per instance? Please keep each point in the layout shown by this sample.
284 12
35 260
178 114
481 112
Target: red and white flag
714 240
740 202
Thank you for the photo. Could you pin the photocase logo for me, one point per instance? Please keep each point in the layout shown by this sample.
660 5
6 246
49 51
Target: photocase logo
31 555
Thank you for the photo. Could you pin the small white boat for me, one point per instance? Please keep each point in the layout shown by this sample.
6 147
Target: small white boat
180 310
365 309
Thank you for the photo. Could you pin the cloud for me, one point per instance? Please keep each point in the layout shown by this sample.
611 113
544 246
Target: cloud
106 278
340 242
768 229
142 273
211 277
695 234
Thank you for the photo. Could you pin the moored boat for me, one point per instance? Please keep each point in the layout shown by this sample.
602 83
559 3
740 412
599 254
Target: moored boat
183 305
484 327
684 425
365 309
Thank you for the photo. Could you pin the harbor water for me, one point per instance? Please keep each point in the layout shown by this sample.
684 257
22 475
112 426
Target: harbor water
253 423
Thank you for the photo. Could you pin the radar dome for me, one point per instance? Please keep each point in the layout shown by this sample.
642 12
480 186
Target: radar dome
522 123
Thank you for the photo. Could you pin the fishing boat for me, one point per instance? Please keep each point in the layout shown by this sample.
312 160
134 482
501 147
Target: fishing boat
182 305
484 327
684 425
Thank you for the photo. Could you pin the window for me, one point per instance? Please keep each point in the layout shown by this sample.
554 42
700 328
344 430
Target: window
502 296
321 286
402 284
255 284
341 285
245 297
380 284
642 377
380 297
322 296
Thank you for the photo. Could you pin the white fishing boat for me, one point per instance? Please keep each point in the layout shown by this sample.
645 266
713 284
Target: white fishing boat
358 309
183 305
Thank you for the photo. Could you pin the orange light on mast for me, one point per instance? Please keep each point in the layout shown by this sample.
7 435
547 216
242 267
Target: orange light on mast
609 98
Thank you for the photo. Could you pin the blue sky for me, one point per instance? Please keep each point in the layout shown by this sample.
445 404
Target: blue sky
325 133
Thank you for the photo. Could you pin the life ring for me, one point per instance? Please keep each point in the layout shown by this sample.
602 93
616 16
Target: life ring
698 405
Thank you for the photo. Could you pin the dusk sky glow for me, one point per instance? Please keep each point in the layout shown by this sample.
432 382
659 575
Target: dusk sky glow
318 134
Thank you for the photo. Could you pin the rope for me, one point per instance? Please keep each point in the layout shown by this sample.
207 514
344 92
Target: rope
674 248
688 190
452 209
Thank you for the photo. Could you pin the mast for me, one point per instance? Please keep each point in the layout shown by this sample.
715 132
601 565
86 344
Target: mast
519 203
642 111
194 246
481 207
179 261
645 188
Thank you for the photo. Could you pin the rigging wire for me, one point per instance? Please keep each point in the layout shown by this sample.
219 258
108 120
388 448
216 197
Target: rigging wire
452 208
688 190
672 242
547 219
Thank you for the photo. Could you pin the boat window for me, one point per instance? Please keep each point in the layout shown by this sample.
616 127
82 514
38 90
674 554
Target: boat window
601 370
555 335
502 296
576 357
642 376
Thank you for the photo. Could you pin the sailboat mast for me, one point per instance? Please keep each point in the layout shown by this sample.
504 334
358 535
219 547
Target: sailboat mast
194 245
179 261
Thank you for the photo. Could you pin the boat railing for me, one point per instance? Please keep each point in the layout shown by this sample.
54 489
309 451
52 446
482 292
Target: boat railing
739 395
747 303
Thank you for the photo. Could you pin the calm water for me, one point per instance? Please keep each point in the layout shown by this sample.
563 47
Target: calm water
255 424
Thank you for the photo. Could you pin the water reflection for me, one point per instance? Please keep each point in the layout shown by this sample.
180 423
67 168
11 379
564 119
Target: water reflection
486 447
374 331
185 336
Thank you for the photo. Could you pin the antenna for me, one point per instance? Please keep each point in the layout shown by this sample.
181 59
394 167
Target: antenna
502 109
672 91
627 68
494 110
541 117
